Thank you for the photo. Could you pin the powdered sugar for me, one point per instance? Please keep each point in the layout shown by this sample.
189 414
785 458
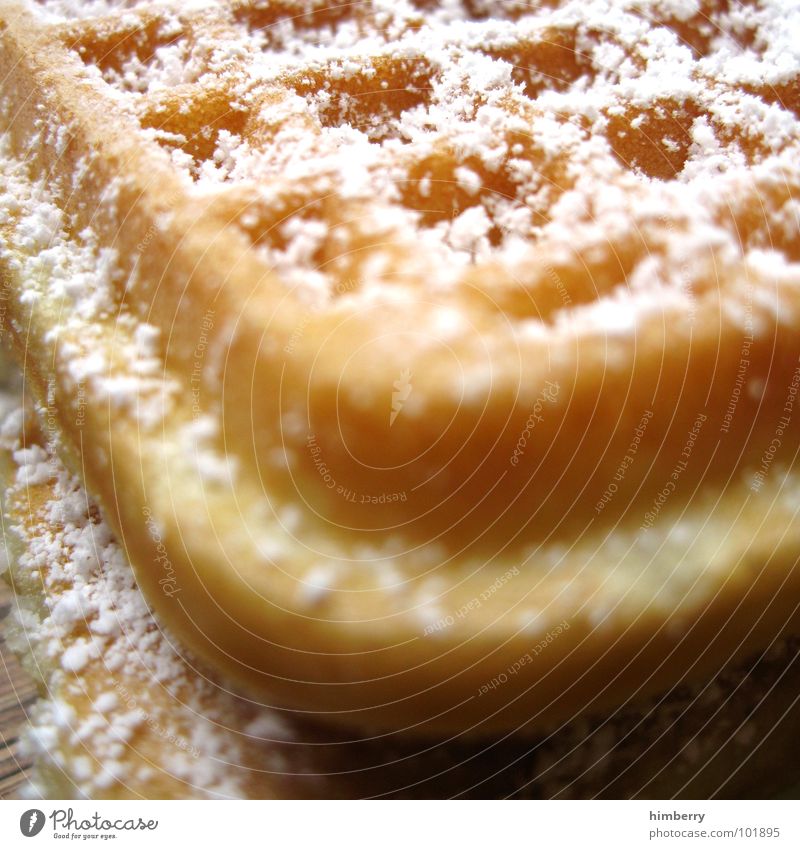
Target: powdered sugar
384 157
76 278
94 614
469 127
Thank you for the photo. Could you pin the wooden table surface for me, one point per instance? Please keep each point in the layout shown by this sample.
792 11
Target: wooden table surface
17 690
17 695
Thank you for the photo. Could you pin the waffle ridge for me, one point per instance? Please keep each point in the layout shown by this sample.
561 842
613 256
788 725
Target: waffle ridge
359 307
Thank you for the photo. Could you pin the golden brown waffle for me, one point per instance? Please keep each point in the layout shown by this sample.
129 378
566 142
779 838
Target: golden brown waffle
125 713
436 370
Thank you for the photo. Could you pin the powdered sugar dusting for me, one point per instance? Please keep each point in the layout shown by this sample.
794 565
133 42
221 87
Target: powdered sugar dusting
77 278
397 154
95 638
454 136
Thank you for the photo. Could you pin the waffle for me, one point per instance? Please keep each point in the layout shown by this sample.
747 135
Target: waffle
434 363
126 713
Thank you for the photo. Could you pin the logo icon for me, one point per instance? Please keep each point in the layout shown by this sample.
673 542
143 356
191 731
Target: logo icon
402 389
31 822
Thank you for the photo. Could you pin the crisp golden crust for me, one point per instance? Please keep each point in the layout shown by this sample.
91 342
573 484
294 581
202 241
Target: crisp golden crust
402 384
125 713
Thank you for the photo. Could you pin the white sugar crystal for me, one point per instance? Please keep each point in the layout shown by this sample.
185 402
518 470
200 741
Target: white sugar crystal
76 656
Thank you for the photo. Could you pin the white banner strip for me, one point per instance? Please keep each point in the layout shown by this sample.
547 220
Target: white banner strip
403 825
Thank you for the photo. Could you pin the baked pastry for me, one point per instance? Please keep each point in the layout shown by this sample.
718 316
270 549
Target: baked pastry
126 713
434 364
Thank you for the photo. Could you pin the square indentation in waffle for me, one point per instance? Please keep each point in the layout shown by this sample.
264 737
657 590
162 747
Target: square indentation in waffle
326 130
136 53
289 26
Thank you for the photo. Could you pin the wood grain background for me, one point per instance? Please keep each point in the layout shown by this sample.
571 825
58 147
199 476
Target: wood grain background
17 695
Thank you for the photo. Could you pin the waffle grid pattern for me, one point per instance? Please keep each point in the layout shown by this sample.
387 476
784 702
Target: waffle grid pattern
303 278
